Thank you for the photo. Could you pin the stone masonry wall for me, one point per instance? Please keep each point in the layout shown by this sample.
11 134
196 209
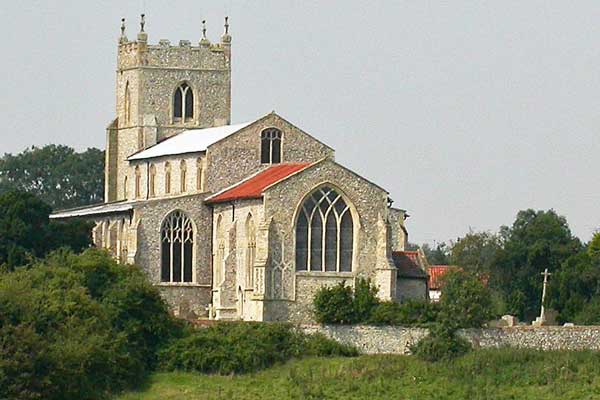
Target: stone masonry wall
398 340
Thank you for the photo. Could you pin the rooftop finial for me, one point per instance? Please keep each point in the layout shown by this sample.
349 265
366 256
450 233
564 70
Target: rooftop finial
142 22
203 29
123 38
226 25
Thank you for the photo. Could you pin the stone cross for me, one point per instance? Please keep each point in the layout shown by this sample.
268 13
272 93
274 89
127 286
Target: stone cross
546 274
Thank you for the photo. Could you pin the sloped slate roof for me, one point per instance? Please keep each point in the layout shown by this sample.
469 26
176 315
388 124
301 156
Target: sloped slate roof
189 141
407 263
253 186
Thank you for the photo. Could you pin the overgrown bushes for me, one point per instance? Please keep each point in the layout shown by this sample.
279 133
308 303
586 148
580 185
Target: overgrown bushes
78 327
244 347
340 304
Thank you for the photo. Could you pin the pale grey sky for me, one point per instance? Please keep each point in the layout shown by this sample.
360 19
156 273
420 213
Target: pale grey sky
465 111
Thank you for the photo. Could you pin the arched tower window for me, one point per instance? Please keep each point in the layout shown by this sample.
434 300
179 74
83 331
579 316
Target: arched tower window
152 180
138 182
270 146
167 177
199 176
177 248
182 176
250 250
183 103
324 233
127 104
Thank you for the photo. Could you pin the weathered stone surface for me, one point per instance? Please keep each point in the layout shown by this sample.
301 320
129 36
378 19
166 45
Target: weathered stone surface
397 340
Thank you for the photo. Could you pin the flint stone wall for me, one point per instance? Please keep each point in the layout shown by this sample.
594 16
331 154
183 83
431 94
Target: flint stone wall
398 340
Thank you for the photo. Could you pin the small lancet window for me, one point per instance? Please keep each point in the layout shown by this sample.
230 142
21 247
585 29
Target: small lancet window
167 177
324 233
183 103
199 176
183 176
152 181
270 146
138 182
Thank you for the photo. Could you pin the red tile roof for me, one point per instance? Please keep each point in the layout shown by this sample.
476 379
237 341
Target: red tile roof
408 264
253 187
436 273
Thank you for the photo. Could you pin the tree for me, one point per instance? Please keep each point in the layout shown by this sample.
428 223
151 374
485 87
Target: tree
594 246
437 255
27 233
465 301
536 240
574 286
57 174
475 252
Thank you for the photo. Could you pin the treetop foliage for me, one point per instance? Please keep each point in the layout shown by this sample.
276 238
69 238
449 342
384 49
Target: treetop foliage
57 174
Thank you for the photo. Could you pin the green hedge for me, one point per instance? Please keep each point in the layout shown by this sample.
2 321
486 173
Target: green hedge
233 347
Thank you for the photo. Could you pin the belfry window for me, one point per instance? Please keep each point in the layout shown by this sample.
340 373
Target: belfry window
324 233
270 146
183 103
177 248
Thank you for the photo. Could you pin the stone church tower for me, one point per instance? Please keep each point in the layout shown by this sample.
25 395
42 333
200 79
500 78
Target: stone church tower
148 111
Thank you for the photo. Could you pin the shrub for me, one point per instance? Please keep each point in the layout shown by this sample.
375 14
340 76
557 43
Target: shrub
441 344
465 302
334 305
412 312
226 348
365 299
78 327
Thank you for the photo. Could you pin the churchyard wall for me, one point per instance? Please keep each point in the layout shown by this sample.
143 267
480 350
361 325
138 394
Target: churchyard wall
398 340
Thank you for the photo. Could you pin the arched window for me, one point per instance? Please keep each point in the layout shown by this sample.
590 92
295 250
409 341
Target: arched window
152 180
182 176
177 248
199 176
183 103
167 177
138 182
219 264
125 188
127 104
250 250
270 146
324 233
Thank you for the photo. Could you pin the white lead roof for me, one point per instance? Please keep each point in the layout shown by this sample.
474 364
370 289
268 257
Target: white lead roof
188 141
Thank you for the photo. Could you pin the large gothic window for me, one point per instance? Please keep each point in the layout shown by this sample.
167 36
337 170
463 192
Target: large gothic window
270 146
324 233
177 248
183 103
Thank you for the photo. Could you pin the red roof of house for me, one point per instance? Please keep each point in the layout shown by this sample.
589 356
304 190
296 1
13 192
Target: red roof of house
407 263
436 272
253 187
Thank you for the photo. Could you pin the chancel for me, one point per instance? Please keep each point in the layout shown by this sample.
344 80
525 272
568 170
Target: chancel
233 221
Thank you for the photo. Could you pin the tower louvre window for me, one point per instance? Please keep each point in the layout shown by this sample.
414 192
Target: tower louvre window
324 233
183 103
270 146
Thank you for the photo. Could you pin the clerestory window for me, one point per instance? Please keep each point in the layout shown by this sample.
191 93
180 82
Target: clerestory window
270 146
183 104
177 248
324 233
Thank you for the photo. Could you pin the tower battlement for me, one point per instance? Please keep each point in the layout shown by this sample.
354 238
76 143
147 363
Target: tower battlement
205 55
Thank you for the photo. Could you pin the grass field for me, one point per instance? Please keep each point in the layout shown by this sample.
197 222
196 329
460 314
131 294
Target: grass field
484 374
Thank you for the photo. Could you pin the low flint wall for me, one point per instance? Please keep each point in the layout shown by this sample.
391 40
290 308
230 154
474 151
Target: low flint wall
398 340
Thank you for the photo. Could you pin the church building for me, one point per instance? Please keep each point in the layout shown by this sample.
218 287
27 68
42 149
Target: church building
230 221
